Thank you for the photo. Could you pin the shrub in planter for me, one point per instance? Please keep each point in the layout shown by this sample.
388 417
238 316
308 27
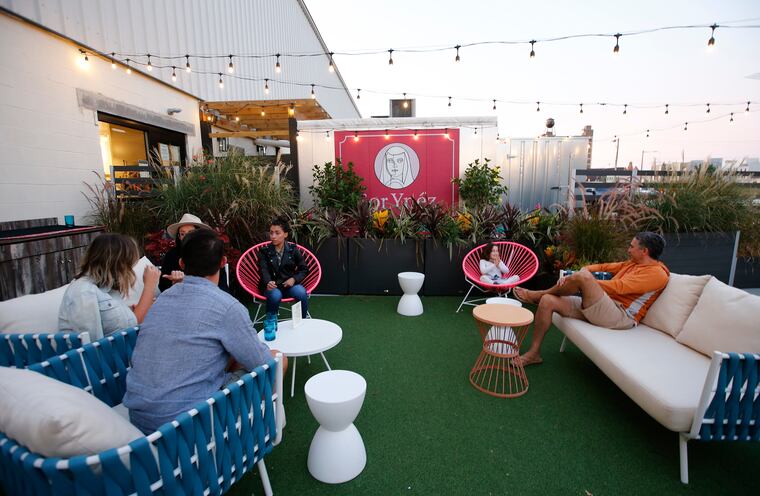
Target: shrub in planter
337 186
481 185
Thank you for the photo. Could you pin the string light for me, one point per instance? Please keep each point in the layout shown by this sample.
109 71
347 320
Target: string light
476 132
406 103
685 126
647 133
616 50
415 135
187 63
221 83
356 136
494 104
174 74
313 95
358 93
149 66
266 86
581 108
390 56
231 66
277 67
708 109
113 60
446 133
456 59
538 106
625 109
449 101
292 109
84 54
732 118
387 136
237 118
331 67
327 135
667 111
129 69
711 41
263 113
746 110
532 51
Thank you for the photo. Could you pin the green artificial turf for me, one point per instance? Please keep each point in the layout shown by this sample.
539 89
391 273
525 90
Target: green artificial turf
428 431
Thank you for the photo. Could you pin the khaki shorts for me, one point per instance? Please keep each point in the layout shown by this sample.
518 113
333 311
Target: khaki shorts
604 313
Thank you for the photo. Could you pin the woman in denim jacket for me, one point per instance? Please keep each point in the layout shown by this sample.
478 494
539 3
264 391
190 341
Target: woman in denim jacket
93 302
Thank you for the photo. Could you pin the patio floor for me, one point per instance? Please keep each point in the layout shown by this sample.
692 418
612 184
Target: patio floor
428 431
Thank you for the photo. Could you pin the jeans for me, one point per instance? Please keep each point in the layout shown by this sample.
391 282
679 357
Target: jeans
298 292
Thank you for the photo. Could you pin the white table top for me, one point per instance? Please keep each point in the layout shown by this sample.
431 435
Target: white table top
311 337
496 300
335 386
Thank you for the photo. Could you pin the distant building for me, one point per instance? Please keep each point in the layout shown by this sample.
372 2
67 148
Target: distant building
716 162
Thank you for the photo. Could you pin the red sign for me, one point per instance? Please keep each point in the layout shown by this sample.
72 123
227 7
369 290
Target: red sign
403 164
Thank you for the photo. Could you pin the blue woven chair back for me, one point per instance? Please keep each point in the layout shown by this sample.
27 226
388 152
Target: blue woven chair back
22 350
734 411
204 450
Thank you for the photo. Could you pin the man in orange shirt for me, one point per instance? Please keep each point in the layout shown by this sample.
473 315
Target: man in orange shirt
619 303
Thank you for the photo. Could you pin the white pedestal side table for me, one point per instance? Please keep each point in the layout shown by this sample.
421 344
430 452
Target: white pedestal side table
311 337
337 451
410 303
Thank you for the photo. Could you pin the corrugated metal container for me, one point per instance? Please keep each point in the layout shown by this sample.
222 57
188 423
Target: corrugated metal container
176 27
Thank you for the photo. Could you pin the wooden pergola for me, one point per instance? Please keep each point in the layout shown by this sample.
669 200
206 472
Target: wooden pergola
260 118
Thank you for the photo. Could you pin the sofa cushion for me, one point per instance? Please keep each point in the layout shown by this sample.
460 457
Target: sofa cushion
55 419
32 313
725 319
671 309
662 376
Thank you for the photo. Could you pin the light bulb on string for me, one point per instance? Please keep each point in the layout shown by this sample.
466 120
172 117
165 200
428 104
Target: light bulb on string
406 103
732 118
494 104
538 106
266 86
532 51
149 66
449 101
113 60
187 63
129 69
415 135
456 59
174 74
390 56
221 82
387 136
313 95
581 108
625 109
277 67
237 118
292 109
327 135
446 133
647 133
711 41
685 126
331 66
667 111
475 134
356 136
84 55
616 50
708 109
263 113
231 66
358 93
746 110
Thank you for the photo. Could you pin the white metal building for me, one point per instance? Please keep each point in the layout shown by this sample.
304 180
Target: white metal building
64 118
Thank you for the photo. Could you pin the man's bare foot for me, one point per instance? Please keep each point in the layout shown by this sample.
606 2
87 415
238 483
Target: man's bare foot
526 296
529 359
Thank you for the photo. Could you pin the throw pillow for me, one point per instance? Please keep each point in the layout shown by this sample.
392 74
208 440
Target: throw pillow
725 319
32 313
52 418
674 305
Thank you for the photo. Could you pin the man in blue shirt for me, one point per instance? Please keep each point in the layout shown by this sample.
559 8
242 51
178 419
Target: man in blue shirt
189 339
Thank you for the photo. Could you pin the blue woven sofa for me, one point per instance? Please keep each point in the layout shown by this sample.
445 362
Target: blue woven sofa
203 451
22 350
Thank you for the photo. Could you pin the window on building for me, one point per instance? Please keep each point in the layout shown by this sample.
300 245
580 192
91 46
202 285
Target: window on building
223 144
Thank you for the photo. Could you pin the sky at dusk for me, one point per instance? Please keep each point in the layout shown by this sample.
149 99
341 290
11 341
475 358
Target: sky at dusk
672 66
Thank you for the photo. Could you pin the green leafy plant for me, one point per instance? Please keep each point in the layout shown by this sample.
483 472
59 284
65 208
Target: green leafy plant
337 186
481 185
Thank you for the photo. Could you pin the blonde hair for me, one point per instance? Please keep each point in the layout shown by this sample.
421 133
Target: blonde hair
109 261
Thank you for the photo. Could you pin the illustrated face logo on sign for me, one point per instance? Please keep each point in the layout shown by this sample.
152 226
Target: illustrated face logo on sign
397 165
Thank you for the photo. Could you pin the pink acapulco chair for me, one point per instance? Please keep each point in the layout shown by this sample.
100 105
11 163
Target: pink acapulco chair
249 276
520 260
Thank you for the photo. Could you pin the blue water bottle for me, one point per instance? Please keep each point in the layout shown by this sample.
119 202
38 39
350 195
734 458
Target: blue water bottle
270 327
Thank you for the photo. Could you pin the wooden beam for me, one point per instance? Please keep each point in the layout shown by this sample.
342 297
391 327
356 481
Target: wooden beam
276 133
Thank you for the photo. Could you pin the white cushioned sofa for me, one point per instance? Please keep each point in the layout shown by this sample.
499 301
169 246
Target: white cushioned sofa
669 364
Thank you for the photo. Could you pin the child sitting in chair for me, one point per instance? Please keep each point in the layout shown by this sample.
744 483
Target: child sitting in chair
493 270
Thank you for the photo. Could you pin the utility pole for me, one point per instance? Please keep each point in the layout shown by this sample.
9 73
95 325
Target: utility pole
617 149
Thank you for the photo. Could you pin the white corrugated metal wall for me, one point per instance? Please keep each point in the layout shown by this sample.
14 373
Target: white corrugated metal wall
176 27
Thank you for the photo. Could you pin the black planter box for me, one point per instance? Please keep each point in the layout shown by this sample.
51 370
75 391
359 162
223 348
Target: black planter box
443 269
374 264
333 257
747 273
700 253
